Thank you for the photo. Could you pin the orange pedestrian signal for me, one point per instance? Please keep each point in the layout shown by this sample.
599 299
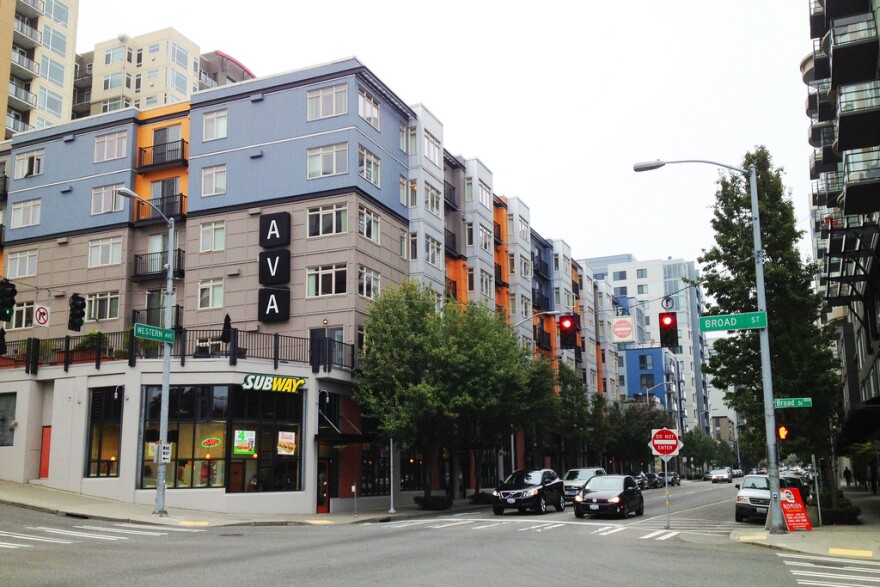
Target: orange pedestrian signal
783 432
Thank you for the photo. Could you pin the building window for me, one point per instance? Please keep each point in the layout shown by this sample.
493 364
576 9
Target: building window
469 234
468 190
641 273
470 279
52 70
25 213
485 195
413 193
511 264
214 180
22 317
408 192
113 55
113 81
105 251
369 166
646 362
329 160
55 41
210 294
404 239
620 291
525 266
646 380
328 220
642 288
525 308
105 432
368 283
7 417
485 239
618 275
214 125
213 237
326 280
434 251
179 55
433 150
512 307
106 199
111 146
21 264
524 233
29 164
433 199
368 108
57 11
486 284
368 224
331 101
49 101
413 246
102 306
114 104
179 81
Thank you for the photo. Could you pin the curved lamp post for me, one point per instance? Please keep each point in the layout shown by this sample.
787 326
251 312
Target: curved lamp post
775 520
166 357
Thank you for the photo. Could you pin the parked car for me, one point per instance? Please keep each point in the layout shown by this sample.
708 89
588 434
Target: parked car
641 479
654 480
724 475
574 479
707 475
615 495
753 498
529 489
799 483
671 478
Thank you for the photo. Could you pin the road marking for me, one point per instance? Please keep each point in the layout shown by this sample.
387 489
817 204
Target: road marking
122 531
82 534
488 525
651 535
531 528
612 531
603 529
11 545
851 552
452 524
154 527
814 557
35 538
670 535
550 527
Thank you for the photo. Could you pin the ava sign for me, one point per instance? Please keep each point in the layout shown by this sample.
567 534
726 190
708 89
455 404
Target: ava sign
665 442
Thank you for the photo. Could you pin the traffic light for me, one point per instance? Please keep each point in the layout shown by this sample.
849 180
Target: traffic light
783 432
7 300
568 326
77 312
668 329
3 348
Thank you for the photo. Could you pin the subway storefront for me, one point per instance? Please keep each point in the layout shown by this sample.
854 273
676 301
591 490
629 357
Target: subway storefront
244 438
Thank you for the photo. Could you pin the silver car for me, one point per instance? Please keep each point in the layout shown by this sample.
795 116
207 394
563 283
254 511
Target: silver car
574 479
722 475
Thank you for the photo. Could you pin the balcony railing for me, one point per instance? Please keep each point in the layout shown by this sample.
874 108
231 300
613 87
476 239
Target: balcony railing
171 206
4 186
172 153
540 301
543 338
450 195
22 94
450 241
156 317
452 288
497 233
845 31
862 165
154 266
25 63
541 266
16 125
499 275
28 31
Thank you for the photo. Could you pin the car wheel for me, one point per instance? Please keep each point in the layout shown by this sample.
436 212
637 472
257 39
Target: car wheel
561 505
624 513
641 509
578 514
498 510
730 480
541 506
738 517
521 510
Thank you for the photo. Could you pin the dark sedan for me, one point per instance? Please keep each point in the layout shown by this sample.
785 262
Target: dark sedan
615 495
672 478
655 480
529 489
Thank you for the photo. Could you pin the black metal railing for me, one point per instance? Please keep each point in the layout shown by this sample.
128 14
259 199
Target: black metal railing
170 206
450 241
450 195
540 301
156 316
452 288
154 265
172 153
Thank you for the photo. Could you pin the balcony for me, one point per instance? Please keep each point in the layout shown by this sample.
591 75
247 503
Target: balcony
156 317
24 68
819 101
543 338
854 50
83 81
827 189
497 233
539 301
823 159
450 195
451 289
818 22
542 268
840 8
155 266
816 66
82 102
861 192
171 206
171 154
205 80
4 186
21 99
15 125
26 36
858 113
450 242
30 8
499 276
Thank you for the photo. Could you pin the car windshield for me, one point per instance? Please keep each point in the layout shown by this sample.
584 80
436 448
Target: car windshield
603 483
519 477
578 475
756 483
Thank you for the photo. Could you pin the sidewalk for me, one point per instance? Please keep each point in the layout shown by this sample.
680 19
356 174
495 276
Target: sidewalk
858 541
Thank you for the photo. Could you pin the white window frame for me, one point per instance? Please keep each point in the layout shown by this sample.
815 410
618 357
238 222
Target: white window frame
368 224
111 146
369 166
114 55
26 213
433 199
214 180
485 195
30 163
104 252
336 155
214 125
102 306
368 108
113 81
106 199
326 102
433 149
21 264
210 293
486 284
368 283
317 278
486 238
433 251
338 216
525 266
212 236
22 316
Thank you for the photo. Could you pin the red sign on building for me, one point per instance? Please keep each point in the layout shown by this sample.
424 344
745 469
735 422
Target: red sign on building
793 509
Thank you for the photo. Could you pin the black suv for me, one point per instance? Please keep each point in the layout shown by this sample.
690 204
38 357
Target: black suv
529 489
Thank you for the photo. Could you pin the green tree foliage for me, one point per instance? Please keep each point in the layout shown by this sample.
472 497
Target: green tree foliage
575 416
699 449
631 426
801 362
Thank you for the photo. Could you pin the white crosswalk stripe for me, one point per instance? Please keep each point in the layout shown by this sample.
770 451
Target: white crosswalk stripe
831 571
35 538
160 528
123 531
82 533
79 534
10 545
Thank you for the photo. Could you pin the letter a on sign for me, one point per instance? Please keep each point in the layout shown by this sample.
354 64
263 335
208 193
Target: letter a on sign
275 230
274 304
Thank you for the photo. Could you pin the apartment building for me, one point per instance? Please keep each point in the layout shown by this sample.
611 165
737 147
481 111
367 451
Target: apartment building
842 103
39 38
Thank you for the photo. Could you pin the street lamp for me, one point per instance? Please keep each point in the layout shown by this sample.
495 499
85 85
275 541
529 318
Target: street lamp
166 357
544 313
775 521
652 388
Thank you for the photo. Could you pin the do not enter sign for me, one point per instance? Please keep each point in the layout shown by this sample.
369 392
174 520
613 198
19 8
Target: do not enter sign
665 442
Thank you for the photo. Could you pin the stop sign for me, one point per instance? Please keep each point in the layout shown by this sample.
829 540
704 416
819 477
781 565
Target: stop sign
664 442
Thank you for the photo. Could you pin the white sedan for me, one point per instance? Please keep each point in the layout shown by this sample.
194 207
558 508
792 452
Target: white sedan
721 475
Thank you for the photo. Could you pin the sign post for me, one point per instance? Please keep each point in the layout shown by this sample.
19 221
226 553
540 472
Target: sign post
665 444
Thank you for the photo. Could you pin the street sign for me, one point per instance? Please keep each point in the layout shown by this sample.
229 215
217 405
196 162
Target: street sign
153 333
622 329
733 321
793 402
665 442
41 315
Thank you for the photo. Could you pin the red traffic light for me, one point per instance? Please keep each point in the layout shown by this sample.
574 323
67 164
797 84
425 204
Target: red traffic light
668 329
566 323
782 432
666 320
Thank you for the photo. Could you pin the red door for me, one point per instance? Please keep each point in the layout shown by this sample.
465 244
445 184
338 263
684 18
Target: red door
44 452
323 506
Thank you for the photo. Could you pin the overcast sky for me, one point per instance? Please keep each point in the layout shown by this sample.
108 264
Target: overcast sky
557 99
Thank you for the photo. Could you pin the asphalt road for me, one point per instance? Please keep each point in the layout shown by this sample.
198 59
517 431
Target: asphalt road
472 548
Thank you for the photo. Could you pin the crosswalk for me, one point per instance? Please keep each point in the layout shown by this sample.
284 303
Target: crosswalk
655 530
831 571
34 536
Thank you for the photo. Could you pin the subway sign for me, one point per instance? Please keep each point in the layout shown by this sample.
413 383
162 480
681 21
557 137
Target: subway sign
272 383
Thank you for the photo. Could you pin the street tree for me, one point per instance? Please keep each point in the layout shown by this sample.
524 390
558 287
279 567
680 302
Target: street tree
699 449
575 414
802 364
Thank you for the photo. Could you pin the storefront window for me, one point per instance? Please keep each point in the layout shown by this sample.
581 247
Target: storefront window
105 426
7 417
411 478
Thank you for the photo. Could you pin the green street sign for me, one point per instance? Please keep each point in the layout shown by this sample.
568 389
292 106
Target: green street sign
153 333
733 321
793 402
